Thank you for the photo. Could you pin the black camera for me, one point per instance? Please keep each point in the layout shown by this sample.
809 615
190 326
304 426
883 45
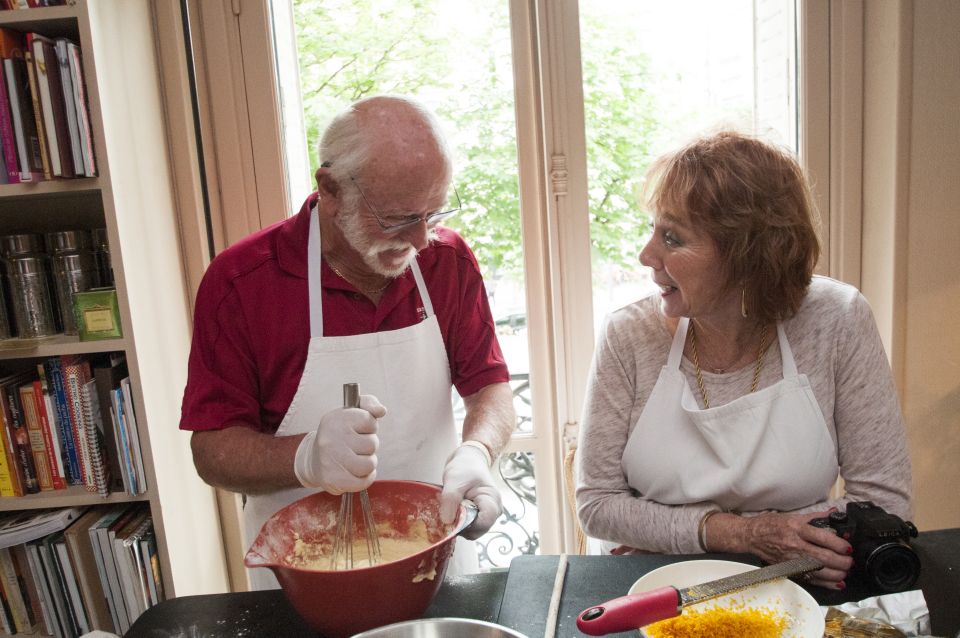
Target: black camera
881 550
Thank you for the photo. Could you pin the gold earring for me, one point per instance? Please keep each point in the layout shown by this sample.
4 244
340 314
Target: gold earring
743 302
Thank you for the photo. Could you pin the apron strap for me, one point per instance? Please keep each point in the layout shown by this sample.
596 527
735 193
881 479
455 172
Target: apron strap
315 288
421 287
676 349
786 354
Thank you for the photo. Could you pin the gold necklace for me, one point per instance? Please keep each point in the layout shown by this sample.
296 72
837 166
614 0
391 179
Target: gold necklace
373 291
756 370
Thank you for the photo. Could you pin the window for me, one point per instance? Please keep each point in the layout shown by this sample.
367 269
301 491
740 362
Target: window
553 110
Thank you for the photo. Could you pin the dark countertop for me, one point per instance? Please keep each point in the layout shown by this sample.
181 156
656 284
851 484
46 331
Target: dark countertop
519 598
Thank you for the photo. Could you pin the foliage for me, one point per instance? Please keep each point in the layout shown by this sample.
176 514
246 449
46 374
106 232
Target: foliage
461 68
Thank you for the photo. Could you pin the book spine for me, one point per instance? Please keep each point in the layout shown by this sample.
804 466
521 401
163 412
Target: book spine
38 445
17 429
20 113
75 373
43 591
7 142
11 587
28 586
51 376
12 455
51 441
42 69
69 108
83 115
38 122
51 438
95 438
7 471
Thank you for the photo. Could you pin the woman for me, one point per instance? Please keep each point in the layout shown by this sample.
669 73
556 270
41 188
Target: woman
721 409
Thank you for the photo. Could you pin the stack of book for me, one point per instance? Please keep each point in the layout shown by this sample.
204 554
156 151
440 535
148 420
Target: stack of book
71 571
70 423
44 123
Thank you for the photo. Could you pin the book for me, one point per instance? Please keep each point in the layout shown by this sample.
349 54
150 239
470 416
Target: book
70 585
50 373
151 563
38 443
27 139
22 623
11 455
87 572
6 618
11 46
28 585
95 438
21 554
51 621
83 115
37 111
46 70
51 438
107 375
122 542
133 433
17 431
55 580
76 372
60 50
7 141
20 527
112 520
7 471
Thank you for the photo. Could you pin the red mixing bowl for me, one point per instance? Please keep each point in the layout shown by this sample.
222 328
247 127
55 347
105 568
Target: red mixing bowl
345 602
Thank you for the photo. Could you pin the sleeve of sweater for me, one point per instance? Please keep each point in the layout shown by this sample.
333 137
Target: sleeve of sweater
871 438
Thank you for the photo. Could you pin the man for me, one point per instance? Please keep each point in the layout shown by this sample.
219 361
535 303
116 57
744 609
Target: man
358 287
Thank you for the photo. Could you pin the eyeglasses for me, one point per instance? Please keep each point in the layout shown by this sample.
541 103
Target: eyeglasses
396 223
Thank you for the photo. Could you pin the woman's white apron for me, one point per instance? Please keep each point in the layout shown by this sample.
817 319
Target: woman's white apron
766 450
405 369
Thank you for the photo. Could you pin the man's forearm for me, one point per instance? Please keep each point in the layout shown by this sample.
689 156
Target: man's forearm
240 459
490 417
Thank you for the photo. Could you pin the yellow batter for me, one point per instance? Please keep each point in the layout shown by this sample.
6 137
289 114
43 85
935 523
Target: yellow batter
393 547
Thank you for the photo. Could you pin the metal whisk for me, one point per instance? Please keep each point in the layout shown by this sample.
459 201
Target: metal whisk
343 540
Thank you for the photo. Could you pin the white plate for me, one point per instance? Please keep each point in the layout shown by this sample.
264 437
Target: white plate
804 616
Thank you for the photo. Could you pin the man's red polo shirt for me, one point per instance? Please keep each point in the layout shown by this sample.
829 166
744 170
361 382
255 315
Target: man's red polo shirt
252 327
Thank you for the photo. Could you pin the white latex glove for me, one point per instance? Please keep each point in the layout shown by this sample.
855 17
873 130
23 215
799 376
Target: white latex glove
467 476
341 455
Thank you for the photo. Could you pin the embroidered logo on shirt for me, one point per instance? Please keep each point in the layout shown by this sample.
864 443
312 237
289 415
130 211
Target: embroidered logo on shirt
422 312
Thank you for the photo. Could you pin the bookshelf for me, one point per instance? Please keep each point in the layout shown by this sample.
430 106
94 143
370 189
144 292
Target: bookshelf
133 197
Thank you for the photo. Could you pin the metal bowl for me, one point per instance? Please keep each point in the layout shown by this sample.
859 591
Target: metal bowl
442 628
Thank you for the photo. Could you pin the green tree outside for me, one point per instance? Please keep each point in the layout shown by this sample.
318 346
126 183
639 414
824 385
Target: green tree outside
350 49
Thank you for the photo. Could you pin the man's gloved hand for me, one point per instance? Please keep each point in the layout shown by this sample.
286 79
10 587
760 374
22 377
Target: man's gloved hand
341 456
467 476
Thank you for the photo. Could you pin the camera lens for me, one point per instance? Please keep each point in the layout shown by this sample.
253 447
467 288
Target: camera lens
893 567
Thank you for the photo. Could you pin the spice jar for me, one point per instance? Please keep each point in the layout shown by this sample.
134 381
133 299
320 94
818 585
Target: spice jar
101 248
21 244
33 309
72 273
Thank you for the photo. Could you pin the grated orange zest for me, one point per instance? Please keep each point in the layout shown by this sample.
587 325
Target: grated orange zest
721 622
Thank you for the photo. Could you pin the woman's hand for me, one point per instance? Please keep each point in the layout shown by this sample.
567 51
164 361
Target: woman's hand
779 537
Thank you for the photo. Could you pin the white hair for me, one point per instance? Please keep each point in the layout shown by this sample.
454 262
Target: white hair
346 146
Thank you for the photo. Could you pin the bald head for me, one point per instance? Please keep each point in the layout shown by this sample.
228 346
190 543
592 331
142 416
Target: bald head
387 138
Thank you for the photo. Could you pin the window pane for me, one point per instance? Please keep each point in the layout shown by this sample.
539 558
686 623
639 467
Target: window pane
683 67
455 57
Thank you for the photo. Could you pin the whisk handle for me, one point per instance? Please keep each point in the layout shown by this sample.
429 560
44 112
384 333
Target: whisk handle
351 395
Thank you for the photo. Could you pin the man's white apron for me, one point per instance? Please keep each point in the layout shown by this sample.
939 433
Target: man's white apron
405 369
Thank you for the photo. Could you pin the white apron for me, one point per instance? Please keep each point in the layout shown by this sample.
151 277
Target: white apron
766 450
405 369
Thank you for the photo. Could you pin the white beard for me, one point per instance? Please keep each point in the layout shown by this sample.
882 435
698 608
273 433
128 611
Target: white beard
371 248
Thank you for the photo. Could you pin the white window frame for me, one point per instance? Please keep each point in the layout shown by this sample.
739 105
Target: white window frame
239 113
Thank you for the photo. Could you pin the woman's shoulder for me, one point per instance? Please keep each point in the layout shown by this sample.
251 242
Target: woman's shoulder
640 319
827 295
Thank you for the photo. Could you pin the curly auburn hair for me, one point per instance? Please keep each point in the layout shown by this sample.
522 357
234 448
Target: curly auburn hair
753 200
